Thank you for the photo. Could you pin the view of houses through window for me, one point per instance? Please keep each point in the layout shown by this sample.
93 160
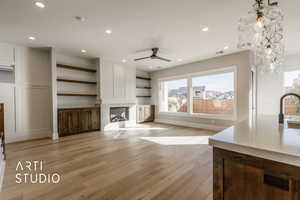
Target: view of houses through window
292 84
175 95
210 94
213 94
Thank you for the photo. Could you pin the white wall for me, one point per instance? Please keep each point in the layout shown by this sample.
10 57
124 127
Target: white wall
270 87
240 60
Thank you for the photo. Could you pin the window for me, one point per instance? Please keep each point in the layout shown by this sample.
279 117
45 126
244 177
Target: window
292 84
174 96
209 94
213 94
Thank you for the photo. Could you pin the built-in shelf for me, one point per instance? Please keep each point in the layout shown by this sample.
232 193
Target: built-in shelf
76 81
149 88
143 96
143 78
70 94
76 68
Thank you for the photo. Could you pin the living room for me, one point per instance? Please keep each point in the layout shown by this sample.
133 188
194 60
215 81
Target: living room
149 100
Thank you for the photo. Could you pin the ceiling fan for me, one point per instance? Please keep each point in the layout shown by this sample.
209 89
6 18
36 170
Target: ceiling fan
154 56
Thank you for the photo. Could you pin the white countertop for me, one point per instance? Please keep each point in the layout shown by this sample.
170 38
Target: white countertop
263 138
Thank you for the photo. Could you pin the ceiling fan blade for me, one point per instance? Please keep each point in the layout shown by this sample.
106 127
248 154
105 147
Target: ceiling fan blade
142 58
161 58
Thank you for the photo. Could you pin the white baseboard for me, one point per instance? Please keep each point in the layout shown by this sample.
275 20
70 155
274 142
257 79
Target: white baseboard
18 137
192 124
55 136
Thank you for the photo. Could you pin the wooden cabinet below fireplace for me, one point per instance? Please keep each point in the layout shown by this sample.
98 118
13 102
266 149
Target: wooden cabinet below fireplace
78 120
145 113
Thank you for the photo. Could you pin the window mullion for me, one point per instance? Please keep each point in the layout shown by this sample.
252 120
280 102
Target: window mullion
190 96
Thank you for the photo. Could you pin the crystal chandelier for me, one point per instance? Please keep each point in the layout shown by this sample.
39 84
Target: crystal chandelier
262 32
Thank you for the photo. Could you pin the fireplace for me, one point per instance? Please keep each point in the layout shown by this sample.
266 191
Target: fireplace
119 114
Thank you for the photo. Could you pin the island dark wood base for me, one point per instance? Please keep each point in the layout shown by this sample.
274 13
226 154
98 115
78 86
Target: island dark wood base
243 177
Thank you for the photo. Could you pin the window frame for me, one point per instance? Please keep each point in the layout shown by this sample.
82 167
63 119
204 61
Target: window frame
189 78
287 69
160 81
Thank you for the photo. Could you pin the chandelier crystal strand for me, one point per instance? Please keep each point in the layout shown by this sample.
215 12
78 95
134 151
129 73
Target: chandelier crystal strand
262 32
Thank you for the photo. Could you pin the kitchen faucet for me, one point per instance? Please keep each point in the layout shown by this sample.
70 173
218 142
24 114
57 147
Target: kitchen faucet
281 116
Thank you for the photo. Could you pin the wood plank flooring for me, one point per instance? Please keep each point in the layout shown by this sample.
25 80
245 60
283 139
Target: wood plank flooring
150 162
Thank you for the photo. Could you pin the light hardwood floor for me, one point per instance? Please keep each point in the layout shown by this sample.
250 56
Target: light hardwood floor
153 161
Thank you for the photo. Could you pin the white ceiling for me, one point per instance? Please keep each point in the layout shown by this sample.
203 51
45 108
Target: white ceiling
173 25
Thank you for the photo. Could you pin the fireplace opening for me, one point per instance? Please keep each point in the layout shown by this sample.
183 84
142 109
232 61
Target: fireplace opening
119 114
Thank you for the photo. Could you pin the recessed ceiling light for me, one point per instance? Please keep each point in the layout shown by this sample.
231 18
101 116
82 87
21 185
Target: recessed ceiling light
83 51
108 31
124 61
226 47
31 38
205 29
40 4
179 59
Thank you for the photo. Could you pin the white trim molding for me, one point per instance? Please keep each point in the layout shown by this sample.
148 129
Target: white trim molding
192 124
2 170
28 135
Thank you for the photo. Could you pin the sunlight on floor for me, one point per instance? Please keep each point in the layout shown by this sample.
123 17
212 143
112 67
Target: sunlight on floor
178 140
141 128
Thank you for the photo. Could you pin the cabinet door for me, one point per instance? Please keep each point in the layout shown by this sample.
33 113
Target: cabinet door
95 119
140 114
243 180
152 113
253 183
73 122
67 122
147 113
63 124
85 120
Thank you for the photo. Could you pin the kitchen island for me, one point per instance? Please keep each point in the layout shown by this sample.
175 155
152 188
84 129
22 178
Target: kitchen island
256 159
